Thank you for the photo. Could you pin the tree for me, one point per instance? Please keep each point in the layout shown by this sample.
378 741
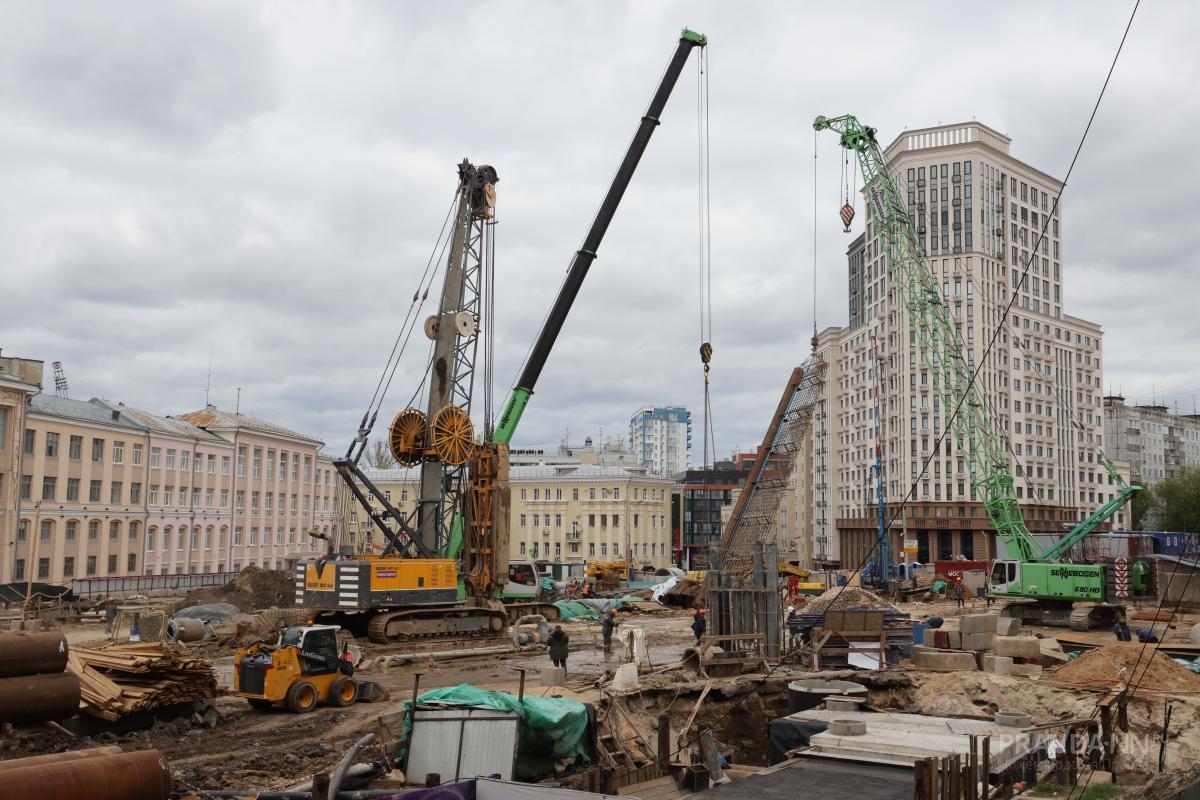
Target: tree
379 456
1141 508
1176 503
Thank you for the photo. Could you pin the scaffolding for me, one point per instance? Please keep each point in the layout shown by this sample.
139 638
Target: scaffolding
752 522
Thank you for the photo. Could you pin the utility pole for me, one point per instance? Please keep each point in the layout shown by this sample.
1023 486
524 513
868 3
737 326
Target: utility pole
36 536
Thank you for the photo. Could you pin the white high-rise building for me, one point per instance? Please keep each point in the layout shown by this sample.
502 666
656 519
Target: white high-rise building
660 438
978 213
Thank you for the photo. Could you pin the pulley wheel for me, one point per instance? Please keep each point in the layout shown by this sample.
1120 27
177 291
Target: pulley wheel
406 436
453 435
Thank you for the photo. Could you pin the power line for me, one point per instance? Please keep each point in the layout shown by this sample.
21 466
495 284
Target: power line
991 344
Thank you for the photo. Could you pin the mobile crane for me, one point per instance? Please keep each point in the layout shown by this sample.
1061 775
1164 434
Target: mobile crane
1039 584
443 572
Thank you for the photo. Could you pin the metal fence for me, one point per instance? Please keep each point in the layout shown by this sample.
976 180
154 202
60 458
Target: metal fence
148 584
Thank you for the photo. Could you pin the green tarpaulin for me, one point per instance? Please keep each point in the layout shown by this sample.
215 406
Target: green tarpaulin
551 728
574 609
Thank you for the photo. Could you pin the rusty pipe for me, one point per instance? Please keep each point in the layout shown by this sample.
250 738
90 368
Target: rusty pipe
142 775
56 758
37 653
39 698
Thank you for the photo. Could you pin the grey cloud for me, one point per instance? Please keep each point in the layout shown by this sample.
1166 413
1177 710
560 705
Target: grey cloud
267 180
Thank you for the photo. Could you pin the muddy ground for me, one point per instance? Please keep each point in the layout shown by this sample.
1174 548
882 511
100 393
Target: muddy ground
255 750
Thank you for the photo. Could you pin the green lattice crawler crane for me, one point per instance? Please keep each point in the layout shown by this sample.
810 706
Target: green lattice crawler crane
1038 583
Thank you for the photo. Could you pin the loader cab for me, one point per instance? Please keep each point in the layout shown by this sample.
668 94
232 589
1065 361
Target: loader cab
1005 577
318 641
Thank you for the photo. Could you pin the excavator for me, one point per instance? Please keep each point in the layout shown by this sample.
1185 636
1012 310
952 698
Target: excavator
444 570
1039 583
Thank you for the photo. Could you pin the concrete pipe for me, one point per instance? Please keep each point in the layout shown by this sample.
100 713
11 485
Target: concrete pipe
847 727
38 653
142 775
58 758
189 630
39 698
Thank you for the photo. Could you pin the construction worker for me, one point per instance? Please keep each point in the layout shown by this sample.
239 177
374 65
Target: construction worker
607 627
1121 630
958 591
110 613
699 625
559 642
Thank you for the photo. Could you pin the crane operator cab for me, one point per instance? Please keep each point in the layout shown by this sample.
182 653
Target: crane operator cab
1005 575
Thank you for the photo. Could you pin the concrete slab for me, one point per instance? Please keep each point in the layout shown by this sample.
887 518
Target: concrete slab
943 659
978 623
977 641
1008 626
999 665
897 738
1017 646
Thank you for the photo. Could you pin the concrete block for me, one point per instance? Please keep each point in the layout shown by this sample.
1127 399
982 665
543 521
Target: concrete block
1027 670
1052 652
1017 646
954 640
977 641
1000 665
1007 626
977 623
1013 719
625 678
1099 777
943 660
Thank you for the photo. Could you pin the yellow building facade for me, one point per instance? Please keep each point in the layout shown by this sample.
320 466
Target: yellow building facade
566 514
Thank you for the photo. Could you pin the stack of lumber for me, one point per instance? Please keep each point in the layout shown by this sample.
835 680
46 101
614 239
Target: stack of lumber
122 679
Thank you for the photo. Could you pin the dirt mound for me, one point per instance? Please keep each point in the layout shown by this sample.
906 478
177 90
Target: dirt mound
1103 667
841 597
252 590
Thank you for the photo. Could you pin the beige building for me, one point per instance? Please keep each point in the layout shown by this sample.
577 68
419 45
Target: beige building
978 212
20 379
1157 444
280 488
82 480
565 513
94 488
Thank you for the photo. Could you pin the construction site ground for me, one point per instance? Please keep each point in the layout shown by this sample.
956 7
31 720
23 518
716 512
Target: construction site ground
256 750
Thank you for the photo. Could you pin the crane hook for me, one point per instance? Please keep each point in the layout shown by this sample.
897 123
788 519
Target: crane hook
847 215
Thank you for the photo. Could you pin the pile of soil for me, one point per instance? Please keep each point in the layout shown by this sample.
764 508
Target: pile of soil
841 597
1102 667
252 590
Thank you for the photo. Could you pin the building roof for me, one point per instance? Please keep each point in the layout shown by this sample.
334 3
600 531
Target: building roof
578 472
94 411
212 418
168 425
392 474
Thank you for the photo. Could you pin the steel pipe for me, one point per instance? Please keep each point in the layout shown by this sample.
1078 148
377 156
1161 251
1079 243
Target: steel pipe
142 775
56 758
29 653
39 698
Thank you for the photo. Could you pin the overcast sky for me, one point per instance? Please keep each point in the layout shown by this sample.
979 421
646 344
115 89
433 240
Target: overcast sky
265 182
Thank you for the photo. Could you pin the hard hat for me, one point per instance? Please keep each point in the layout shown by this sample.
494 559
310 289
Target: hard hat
703 612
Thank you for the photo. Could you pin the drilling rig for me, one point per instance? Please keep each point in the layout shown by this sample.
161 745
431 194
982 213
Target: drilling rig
444 569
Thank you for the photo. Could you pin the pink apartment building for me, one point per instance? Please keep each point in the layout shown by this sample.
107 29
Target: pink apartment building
280 488
100 489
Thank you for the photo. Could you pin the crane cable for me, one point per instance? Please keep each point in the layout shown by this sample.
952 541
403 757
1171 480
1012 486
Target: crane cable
704 217
400 344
